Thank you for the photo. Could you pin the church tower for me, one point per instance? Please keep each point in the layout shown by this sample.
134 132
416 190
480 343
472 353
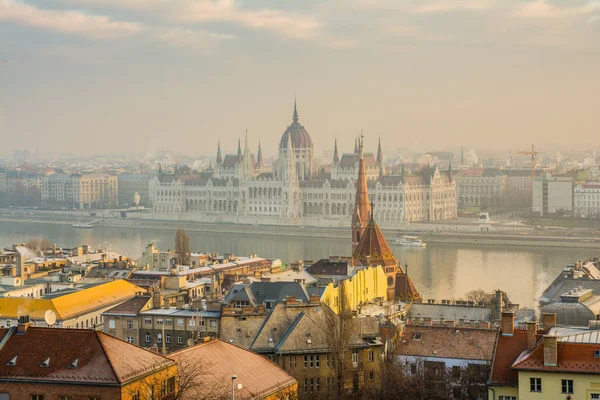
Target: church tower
362 208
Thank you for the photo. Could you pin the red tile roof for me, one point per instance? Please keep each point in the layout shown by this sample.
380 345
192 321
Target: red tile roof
100 358
507 350
572 357
221 360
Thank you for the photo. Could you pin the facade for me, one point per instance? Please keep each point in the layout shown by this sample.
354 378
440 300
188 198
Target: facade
294 336
45 363
552 195
132 184
478 187
297 190
80 191
587 199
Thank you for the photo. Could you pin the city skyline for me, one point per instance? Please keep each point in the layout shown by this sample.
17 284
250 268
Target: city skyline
422 75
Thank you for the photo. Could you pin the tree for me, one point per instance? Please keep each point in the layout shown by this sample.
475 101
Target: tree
39 243
182 247
480 296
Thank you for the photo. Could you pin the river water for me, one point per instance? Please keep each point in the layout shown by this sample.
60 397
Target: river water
440 271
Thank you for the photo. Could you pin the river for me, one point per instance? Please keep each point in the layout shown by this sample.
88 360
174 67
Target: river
441 271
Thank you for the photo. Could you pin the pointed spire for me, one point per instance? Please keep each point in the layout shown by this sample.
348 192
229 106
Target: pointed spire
402 173
336 156
360 145
362 208
259 158
239 152
379 154
219 157
450 170
295 110
356 145
246 142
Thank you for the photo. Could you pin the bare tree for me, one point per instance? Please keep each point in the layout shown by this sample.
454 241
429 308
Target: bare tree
480 296
182 247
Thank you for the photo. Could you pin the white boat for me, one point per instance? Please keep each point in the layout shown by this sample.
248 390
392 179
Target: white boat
410 241
83 226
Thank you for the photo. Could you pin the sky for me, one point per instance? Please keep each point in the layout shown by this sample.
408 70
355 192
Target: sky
101 76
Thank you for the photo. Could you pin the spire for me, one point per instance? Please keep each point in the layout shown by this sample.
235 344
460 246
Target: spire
295 111
360 145
239 152
379 154
259 158
355 145
450 170
219 157
402 174
362 209
336 156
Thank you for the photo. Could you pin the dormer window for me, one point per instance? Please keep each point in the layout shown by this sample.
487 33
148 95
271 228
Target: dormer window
417 336
74 364
46 363
12 362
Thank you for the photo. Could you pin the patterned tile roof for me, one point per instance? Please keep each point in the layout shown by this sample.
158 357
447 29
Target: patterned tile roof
571 357
507 350
240 330
75 355
373 249
447 342
258 376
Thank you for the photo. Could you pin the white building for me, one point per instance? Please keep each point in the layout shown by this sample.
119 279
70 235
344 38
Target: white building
298 190
552 195
587 199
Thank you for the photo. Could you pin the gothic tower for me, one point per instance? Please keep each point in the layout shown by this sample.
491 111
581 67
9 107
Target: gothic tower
362 208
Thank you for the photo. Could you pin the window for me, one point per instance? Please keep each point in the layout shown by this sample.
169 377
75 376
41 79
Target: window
159 338
507 398
371 375
192 322
36 397
354 356
594 396
179 322
417 336
130 339
129 324
159 322
135 396
455 371
169 322
567 386
65 398
371 356
111 324
180 339
93 397
148 338
413 368
292 361
535 384
213 323
168 337
309 361
147 321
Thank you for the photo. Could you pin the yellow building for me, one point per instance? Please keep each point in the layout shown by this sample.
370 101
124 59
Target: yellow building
80 309
366 285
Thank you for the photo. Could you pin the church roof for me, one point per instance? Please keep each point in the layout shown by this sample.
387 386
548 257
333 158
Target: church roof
373 249
350 160
297 134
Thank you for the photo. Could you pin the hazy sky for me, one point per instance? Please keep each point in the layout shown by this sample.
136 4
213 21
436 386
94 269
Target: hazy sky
140 75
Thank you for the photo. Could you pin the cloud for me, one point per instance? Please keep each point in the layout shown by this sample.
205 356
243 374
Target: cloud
593 19
183 37
71 22
442 6
540 9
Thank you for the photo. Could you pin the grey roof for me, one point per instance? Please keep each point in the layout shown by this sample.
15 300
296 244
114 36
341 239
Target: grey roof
584 337
449 312
569 313
240 330
260 292
290 275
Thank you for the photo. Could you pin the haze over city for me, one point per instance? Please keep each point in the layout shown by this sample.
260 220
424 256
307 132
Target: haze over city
97 76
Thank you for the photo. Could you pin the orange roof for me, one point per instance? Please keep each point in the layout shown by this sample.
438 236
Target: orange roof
572 357
98 357
507 350
258 376
373 249
405 288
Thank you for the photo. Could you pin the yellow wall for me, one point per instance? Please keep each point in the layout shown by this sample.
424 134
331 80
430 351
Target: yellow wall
367 284
583 385
503 391
145 384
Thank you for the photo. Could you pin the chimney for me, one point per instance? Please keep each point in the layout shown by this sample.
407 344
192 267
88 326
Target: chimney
549 320
247 309
260 309
85 249
550 350
531 335
23 325
451 324
498 304
290 300
508 324
156 300
315 299
20 263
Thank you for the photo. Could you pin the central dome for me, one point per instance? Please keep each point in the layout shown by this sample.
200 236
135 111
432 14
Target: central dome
297 134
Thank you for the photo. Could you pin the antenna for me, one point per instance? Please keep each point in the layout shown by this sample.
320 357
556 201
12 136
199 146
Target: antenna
50 318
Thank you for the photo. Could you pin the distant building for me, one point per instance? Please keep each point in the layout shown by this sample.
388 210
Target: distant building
46 363
587 199
80 191
482 187
298 191
552 195
129 185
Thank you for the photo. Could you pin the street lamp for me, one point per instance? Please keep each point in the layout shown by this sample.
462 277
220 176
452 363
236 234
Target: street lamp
233 378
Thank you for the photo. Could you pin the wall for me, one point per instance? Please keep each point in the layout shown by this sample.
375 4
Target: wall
583 384
49 391
367 284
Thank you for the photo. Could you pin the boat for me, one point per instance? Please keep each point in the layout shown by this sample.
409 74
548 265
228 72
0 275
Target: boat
83 226
410 241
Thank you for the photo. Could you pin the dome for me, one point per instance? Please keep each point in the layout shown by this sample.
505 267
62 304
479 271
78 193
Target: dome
299 136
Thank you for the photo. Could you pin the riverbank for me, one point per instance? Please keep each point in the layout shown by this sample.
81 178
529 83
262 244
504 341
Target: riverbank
520 238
